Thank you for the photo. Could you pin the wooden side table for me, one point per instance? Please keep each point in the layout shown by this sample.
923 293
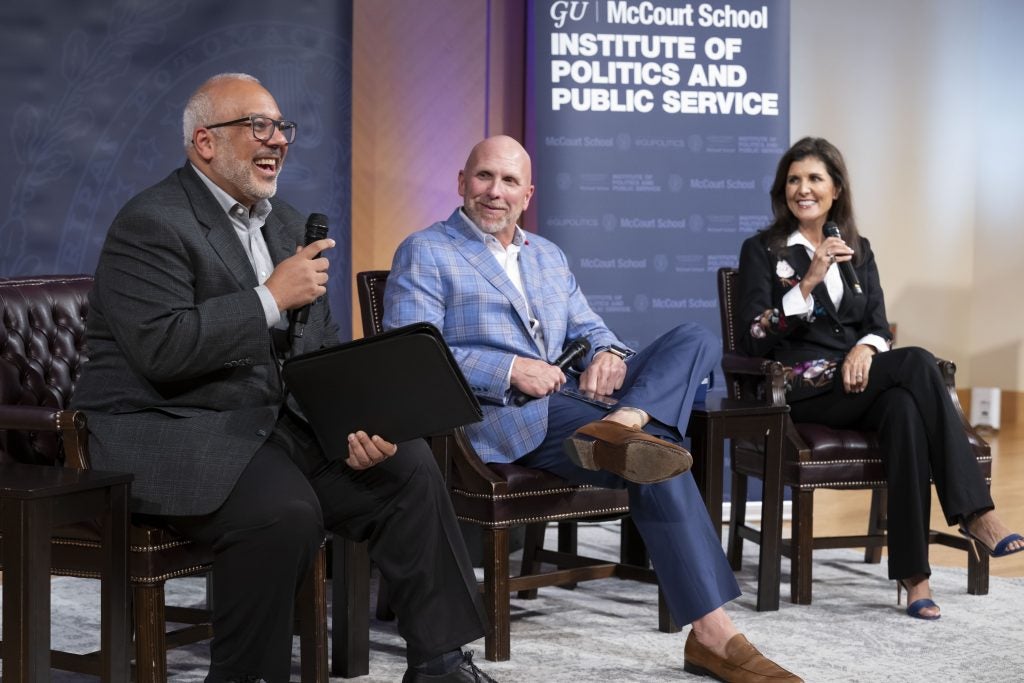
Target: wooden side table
34 500
710 424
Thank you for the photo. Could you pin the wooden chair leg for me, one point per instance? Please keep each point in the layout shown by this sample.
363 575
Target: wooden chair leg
534 541
497 600
632 549
383 611
149 608
115 620
350 636
977 573
666 624
772 495
737 519
568 537
568 541
802 547
311 611
876 524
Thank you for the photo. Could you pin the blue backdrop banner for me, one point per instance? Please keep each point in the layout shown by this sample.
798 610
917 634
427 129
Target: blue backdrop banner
93 95
655 128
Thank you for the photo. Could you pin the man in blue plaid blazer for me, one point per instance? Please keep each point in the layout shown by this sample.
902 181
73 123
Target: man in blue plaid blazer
507 304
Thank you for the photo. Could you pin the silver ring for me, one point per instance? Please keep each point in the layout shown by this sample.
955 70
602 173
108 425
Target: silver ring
860 377
831 259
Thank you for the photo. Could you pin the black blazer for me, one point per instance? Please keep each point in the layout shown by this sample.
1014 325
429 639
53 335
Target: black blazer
811 349
182 384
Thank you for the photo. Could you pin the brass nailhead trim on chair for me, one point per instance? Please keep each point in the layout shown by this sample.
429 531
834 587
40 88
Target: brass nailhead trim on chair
877 484
545 518
513 496
189 571
77 543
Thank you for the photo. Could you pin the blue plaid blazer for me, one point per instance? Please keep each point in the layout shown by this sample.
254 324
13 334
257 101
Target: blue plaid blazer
445 275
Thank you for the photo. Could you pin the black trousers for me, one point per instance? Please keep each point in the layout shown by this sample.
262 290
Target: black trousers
922 438
266 534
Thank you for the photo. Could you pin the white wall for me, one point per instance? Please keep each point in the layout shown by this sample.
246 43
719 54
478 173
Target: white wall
997 315
924 99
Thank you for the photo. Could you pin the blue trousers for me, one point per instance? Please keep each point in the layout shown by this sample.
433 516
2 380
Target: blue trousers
663 380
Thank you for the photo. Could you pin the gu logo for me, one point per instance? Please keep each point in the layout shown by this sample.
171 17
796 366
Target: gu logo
571 9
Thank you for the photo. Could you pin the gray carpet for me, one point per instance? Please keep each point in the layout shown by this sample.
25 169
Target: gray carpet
607 630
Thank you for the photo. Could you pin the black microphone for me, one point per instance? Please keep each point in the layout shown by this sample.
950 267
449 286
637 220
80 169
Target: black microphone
316 229
573 351
845 267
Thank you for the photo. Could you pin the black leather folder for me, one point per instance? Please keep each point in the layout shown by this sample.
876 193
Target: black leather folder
400 384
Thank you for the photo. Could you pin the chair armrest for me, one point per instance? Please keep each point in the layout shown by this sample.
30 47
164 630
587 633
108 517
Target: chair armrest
767 377
30 418
70 425
748 365
455 455
948 370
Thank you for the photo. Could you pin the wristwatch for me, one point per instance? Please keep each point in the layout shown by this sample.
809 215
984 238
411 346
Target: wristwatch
617 351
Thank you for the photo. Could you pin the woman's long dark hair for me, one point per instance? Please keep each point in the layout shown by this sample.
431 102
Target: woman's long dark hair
784 223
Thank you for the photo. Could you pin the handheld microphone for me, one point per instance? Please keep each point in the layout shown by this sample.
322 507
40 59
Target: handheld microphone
316 229
845 267
573 351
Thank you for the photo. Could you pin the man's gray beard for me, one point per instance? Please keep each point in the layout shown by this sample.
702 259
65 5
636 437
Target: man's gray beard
488 229
238 172
491 229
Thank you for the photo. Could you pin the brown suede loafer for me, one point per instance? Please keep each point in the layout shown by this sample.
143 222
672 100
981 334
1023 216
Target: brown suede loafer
626 451
742 663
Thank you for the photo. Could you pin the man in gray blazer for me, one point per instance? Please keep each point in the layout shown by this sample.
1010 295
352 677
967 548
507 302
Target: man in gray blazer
189 320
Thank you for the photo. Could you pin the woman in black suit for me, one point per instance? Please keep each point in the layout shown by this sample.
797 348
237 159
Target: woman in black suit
796 307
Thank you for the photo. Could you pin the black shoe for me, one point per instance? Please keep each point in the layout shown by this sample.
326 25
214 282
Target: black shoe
465 672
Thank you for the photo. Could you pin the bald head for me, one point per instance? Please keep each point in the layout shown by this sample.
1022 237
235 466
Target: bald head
501 146
201 108
495 185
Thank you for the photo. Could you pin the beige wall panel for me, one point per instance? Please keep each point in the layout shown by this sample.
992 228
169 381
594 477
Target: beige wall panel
996 314
421 99
418 103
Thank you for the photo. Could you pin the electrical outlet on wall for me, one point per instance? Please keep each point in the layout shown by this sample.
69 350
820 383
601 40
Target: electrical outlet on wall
985 406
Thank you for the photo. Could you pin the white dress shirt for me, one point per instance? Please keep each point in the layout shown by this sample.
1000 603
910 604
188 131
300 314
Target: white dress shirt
249 228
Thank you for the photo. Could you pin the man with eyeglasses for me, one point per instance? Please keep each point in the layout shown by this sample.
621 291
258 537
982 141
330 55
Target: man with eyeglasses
188 324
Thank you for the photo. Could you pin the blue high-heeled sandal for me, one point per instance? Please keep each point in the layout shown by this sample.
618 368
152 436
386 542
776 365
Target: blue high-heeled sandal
1002 548
916 609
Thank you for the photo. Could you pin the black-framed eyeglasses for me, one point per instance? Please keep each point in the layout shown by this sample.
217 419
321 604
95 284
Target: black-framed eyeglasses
263 127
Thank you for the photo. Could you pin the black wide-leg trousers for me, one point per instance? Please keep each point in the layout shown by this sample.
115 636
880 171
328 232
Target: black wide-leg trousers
922 438
266 534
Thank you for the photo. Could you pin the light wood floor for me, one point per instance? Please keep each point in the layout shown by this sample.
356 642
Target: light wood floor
845 512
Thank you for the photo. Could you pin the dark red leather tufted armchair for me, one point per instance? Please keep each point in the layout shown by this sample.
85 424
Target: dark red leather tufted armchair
42 349
818 457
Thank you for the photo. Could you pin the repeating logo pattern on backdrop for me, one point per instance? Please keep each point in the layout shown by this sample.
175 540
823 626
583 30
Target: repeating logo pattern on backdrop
655 127
100 119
